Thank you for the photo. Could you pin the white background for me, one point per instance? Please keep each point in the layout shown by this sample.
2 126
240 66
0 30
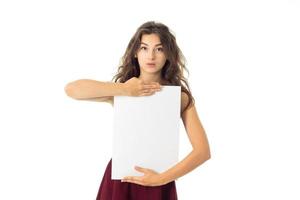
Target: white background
243 59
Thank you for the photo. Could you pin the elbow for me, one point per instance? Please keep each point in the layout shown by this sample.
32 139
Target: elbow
208 156
203 155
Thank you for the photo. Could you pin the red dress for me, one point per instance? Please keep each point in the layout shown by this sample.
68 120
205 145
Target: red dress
117 190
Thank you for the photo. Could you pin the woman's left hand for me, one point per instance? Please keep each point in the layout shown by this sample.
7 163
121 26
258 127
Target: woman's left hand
150 178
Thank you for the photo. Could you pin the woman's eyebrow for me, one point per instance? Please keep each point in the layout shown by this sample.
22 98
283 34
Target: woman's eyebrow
148 45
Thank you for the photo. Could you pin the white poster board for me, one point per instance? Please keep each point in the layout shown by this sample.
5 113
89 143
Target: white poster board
146 132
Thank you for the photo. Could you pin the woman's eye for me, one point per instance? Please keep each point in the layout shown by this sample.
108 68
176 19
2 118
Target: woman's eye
158 49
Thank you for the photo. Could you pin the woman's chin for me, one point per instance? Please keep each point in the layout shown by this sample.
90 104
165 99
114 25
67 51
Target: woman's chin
151 70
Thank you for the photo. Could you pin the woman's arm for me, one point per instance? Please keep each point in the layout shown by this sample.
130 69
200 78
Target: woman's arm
199 142
196 157
87 89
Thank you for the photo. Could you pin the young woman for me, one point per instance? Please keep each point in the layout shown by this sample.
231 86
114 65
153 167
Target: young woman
152 59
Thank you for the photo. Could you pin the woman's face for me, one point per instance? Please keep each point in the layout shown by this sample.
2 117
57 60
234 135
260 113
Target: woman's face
150 55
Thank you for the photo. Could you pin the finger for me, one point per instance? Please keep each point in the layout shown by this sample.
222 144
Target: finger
150 91
147 90
152 86
153 89
127 179
140 169
132 178
147 93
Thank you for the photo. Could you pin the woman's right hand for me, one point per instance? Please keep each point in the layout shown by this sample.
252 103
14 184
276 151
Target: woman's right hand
136 87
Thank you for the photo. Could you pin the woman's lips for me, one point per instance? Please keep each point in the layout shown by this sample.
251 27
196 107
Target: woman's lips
151 64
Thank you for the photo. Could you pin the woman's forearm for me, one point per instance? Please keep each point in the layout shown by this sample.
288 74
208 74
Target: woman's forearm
190 162
87 88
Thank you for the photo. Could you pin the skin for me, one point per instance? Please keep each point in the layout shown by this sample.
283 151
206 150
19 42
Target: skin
196 134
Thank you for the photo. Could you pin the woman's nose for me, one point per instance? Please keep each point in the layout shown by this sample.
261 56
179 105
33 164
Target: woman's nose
151 54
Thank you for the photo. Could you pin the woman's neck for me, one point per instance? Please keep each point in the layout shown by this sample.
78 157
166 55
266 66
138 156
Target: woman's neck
149 79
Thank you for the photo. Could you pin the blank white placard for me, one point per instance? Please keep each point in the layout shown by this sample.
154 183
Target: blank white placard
146 132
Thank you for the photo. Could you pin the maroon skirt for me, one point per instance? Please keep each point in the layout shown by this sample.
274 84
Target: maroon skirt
116 190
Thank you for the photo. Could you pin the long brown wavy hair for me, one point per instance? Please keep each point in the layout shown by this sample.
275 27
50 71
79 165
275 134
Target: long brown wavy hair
173 70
